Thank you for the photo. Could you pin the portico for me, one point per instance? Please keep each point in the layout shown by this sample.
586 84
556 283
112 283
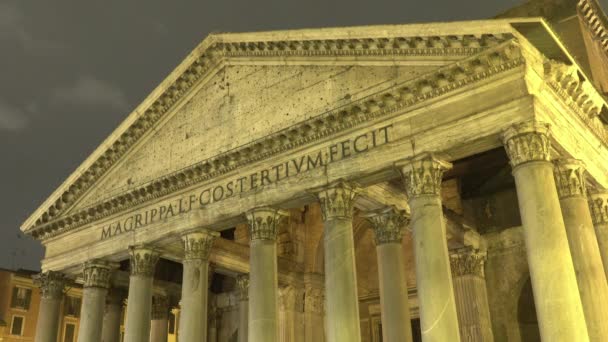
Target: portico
325 136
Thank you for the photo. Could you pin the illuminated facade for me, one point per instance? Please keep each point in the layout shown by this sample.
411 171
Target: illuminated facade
381 183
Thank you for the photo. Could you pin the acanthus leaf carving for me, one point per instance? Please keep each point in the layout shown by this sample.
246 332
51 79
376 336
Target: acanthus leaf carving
388 225
143 260
51 284
423 175
264 223
570 178
527 142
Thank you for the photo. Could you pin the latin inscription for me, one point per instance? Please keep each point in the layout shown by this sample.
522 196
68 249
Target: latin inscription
255 181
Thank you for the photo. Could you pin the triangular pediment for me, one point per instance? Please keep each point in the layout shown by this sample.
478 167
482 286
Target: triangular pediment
235 90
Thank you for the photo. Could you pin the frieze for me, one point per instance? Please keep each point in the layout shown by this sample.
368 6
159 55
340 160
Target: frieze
598 205
51 284
527 142
570 178
492 61
423 174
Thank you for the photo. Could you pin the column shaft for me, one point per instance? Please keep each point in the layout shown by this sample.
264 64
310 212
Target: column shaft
111 319
242 282
471 296
159 326
558 305
438 318
139 302
586 257
96 283
195 285
51 284
342 302
598 205
263 281
388 227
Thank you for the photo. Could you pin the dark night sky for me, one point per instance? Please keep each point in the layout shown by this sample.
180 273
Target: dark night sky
72 70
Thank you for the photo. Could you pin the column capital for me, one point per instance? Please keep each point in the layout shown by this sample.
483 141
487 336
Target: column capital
143 260
197 244
467 261
388 224
242 287
51 284
598 206
422 175
264 222
314 300
527 141
97 273
570 178
160 307
291 298
337 200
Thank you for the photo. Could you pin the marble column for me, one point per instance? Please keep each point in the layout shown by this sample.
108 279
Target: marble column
342 310
110 331
388 225
598 205
195 284
558 304
139 303
471 295
51 286
314 310
438 318
586 257
291 307
160 319
263 281
96 276
242 284
214 317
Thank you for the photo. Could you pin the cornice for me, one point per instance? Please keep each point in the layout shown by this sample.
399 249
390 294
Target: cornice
491 61
595 19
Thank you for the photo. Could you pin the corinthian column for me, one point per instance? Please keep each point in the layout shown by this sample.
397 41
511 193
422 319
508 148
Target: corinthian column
96 283
598 205
160 315
471 295
438 320
51 285
558 305
572 192
263 281
195 284
388 227
242 284
139 303
111 318
342 317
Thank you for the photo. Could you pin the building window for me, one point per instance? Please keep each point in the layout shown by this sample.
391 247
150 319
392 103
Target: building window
72 306
69 332
21 298
17 325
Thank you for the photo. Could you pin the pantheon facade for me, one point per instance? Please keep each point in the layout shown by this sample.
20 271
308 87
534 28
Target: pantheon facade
422 182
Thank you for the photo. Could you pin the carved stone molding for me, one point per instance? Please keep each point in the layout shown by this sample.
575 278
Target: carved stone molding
160 307
570 178
291 298
264 222
388 225
97 273
51 284
423 174
314 300
337 200
242 286
143 261
592 18
598 205
197 244
467 262
527 142
497 59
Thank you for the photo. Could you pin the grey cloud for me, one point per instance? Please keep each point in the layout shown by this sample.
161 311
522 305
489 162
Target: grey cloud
13 27
90 91
12 118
